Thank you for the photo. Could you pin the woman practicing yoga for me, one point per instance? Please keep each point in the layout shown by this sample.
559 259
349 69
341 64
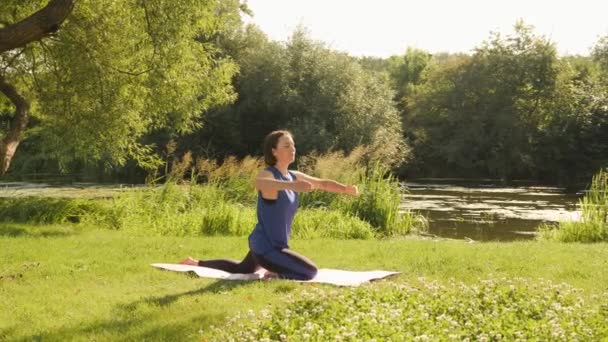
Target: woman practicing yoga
278 189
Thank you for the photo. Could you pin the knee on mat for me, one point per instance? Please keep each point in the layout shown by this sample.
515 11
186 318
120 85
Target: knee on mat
305 275
311 274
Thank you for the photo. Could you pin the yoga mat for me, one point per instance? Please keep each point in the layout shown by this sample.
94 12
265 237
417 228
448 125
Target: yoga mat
324 275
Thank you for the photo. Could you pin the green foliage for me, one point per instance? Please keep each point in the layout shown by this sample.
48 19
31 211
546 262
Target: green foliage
117 70
600 53
326 98
500 309
346 169
593 223
571 144
117 81
378 206
407 72
225 203
478 115
235 177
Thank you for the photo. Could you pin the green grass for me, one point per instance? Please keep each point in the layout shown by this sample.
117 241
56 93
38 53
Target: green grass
492 310
67 282
593 224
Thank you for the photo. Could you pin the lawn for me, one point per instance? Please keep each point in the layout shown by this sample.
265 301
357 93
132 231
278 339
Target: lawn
70 282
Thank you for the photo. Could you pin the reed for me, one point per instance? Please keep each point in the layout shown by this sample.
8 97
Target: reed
593 223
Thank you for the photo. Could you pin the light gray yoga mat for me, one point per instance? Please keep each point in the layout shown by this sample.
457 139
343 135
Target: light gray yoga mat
324 275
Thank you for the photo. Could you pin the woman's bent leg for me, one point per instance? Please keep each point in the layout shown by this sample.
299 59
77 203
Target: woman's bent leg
288 264
248 265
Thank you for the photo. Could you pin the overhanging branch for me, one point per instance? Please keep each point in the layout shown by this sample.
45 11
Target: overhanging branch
36 26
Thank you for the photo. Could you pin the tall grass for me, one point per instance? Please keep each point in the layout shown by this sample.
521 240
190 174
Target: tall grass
347 169
380 196
234 176
172 209
593 224
224 204
379 204
205 210
322 223
46 210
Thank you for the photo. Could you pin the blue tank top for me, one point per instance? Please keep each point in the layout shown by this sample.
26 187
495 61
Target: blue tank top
274 218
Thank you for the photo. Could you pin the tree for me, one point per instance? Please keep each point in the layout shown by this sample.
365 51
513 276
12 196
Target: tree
109 72
600 53
325 97
33 28
479 116
407 72
573 143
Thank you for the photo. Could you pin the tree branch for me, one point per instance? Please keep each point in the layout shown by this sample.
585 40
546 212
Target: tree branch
15 56
11 93
36 26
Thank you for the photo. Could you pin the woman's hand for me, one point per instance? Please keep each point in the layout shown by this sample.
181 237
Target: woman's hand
302 186
352 190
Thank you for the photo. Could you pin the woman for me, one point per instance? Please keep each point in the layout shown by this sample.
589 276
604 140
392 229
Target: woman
278 189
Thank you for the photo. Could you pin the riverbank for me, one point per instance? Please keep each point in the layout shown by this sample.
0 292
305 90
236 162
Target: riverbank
72 282
460 209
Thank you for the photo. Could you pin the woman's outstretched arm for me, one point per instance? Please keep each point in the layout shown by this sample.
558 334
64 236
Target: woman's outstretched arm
268 185
327 184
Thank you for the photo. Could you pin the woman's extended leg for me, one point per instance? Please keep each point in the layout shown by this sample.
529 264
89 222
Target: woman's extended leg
248 265
288 264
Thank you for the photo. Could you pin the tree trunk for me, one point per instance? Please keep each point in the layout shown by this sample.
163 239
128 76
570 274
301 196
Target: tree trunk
36 26
30 29
17 125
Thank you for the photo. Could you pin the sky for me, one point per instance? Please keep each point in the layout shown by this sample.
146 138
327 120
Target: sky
383 28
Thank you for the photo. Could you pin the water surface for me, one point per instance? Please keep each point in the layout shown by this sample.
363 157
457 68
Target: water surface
485 211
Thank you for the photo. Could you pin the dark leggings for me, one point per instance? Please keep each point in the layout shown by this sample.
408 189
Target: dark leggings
286 263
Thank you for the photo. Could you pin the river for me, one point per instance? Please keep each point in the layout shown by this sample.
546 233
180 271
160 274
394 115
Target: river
485 211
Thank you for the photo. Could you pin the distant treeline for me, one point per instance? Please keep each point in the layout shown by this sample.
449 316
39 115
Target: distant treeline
511 109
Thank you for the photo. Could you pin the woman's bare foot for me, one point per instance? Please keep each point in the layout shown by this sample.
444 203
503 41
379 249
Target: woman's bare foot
189 261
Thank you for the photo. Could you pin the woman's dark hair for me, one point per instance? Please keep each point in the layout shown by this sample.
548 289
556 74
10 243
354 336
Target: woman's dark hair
270 142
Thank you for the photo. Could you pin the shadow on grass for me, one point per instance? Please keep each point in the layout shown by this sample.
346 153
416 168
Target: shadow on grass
126 329
5 333
136 322
24 230
216 287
